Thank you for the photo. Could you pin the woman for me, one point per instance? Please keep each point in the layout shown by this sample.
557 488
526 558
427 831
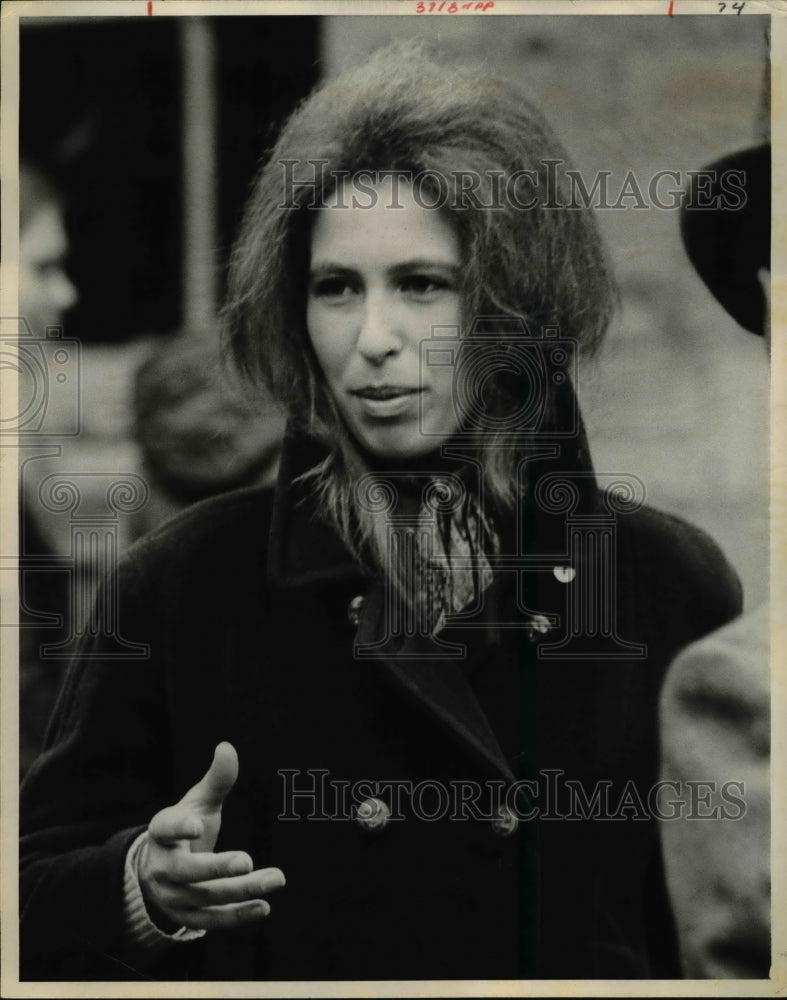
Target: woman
429 661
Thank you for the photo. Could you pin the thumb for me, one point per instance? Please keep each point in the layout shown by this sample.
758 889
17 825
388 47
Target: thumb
217 782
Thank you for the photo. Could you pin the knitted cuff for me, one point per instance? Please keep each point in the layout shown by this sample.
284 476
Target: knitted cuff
140 931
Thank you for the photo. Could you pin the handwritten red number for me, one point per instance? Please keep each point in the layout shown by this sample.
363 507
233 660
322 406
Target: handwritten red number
452 6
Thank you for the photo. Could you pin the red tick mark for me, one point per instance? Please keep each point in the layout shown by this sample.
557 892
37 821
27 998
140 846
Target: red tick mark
150 7
671 2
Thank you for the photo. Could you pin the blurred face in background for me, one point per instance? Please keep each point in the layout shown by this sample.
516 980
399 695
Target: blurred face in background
45 291
380 280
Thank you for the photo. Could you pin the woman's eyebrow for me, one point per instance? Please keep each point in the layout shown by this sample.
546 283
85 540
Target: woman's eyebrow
425 264
322 268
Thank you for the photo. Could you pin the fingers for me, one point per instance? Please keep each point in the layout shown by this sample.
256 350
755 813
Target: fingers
220 902
185 868
223 891
209 793
216 917
219 892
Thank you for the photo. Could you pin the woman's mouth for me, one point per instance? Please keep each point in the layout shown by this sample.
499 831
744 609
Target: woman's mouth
386 400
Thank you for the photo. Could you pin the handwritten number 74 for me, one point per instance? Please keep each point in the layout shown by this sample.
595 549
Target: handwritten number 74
737 7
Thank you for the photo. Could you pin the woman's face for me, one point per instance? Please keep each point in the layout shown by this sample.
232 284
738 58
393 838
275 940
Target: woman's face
380 279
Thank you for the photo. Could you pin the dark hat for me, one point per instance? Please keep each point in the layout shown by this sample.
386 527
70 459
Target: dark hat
729 242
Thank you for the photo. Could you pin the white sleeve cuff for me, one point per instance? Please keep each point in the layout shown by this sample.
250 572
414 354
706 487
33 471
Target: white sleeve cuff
140 931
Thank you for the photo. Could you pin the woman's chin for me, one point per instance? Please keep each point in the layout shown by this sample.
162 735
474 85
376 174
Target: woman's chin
398 449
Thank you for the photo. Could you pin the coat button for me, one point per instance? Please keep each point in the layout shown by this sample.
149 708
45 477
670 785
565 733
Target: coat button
354 610
373 815
505 822
538 625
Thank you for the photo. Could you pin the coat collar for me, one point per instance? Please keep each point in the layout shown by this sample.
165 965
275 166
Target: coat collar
303 549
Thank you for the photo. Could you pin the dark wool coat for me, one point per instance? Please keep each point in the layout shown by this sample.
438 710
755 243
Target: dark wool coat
243 604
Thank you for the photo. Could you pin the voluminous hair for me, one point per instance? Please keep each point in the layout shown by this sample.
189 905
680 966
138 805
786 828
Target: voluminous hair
402 110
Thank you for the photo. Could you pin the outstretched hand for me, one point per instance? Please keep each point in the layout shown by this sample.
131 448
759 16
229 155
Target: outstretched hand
184 883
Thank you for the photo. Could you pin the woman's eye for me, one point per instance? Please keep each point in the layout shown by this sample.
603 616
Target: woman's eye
336 289
423 285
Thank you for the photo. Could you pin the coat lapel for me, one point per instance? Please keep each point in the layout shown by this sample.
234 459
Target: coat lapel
437 683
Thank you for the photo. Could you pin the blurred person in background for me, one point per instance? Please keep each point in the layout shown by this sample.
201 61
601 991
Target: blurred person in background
199 435
46 293
715 709
280 622
45 290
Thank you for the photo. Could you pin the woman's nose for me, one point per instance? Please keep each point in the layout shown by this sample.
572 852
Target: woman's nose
379 336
